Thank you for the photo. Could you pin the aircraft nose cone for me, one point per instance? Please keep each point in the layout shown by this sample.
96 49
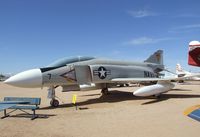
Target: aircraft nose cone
27 79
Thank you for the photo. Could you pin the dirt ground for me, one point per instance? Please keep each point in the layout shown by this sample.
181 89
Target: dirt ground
119 114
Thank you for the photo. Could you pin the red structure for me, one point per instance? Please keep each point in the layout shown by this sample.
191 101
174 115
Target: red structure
194 53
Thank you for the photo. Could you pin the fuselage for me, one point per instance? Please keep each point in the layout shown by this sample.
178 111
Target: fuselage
83 70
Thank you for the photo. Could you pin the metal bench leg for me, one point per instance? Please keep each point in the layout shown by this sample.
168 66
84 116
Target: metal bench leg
5 115
34 115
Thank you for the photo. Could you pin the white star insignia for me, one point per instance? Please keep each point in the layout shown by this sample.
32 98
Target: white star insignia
102 73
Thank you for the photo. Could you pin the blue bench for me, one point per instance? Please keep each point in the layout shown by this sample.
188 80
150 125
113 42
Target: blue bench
22 104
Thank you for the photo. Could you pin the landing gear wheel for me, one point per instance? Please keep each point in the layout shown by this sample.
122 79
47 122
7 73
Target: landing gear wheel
54 103
127 85
158 96
104 91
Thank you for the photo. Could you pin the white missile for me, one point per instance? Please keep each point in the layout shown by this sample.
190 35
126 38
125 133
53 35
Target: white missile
154 89
27 79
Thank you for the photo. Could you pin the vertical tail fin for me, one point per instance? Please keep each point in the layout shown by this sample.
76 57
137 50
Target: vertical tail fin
179 69
194 53
156 57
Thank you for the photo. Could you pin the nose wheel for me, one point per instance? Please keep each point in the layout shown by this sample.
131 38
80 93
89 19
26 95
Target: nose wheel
54 103
51 95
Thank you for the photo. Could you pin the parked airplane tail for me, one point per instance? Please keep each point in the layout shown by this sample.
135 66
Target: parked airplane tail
156 58
194 53
179 69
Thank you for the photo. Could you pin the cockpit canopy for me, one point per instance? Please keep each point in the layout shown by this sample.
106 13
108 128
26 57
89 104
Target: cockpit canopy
64 61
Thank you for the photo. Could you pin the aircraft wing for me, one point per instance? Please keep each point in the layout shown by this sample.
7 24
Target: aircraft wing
138 79
152 79
163 85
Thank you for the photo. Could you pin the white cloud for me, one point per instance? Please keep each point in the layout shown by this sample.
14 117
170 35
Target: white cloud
185 28
145 40
189 26
141 13
188 15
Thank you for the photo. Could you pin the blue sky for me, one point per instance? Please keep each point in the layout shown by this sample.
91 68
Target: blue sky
35 33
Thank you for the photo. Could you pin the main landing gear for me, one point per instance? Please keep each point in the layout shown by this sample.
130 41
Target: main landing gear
157 96
51 94
104 91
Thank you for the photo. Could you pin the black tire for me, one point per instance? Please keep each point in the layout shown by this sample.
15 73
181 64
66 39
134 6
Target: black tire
104 91
54 103
158 96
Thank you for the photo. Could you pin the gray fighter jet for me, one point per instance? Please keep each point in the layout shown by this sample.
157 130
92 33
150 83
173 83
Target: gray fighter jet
86 73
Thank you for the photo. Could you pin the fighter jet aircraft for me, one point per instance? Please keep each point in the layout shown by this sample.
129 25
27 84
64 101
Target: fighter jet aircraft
86 73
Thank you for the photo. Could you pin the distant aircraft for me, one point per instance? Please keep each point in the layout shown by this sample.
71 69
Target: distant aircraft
181 72
194 53
86 73
3 77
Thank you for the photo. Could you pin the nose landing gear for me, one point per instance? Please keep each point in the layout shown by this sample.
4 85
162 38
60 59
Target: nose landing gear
51 94
54 103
